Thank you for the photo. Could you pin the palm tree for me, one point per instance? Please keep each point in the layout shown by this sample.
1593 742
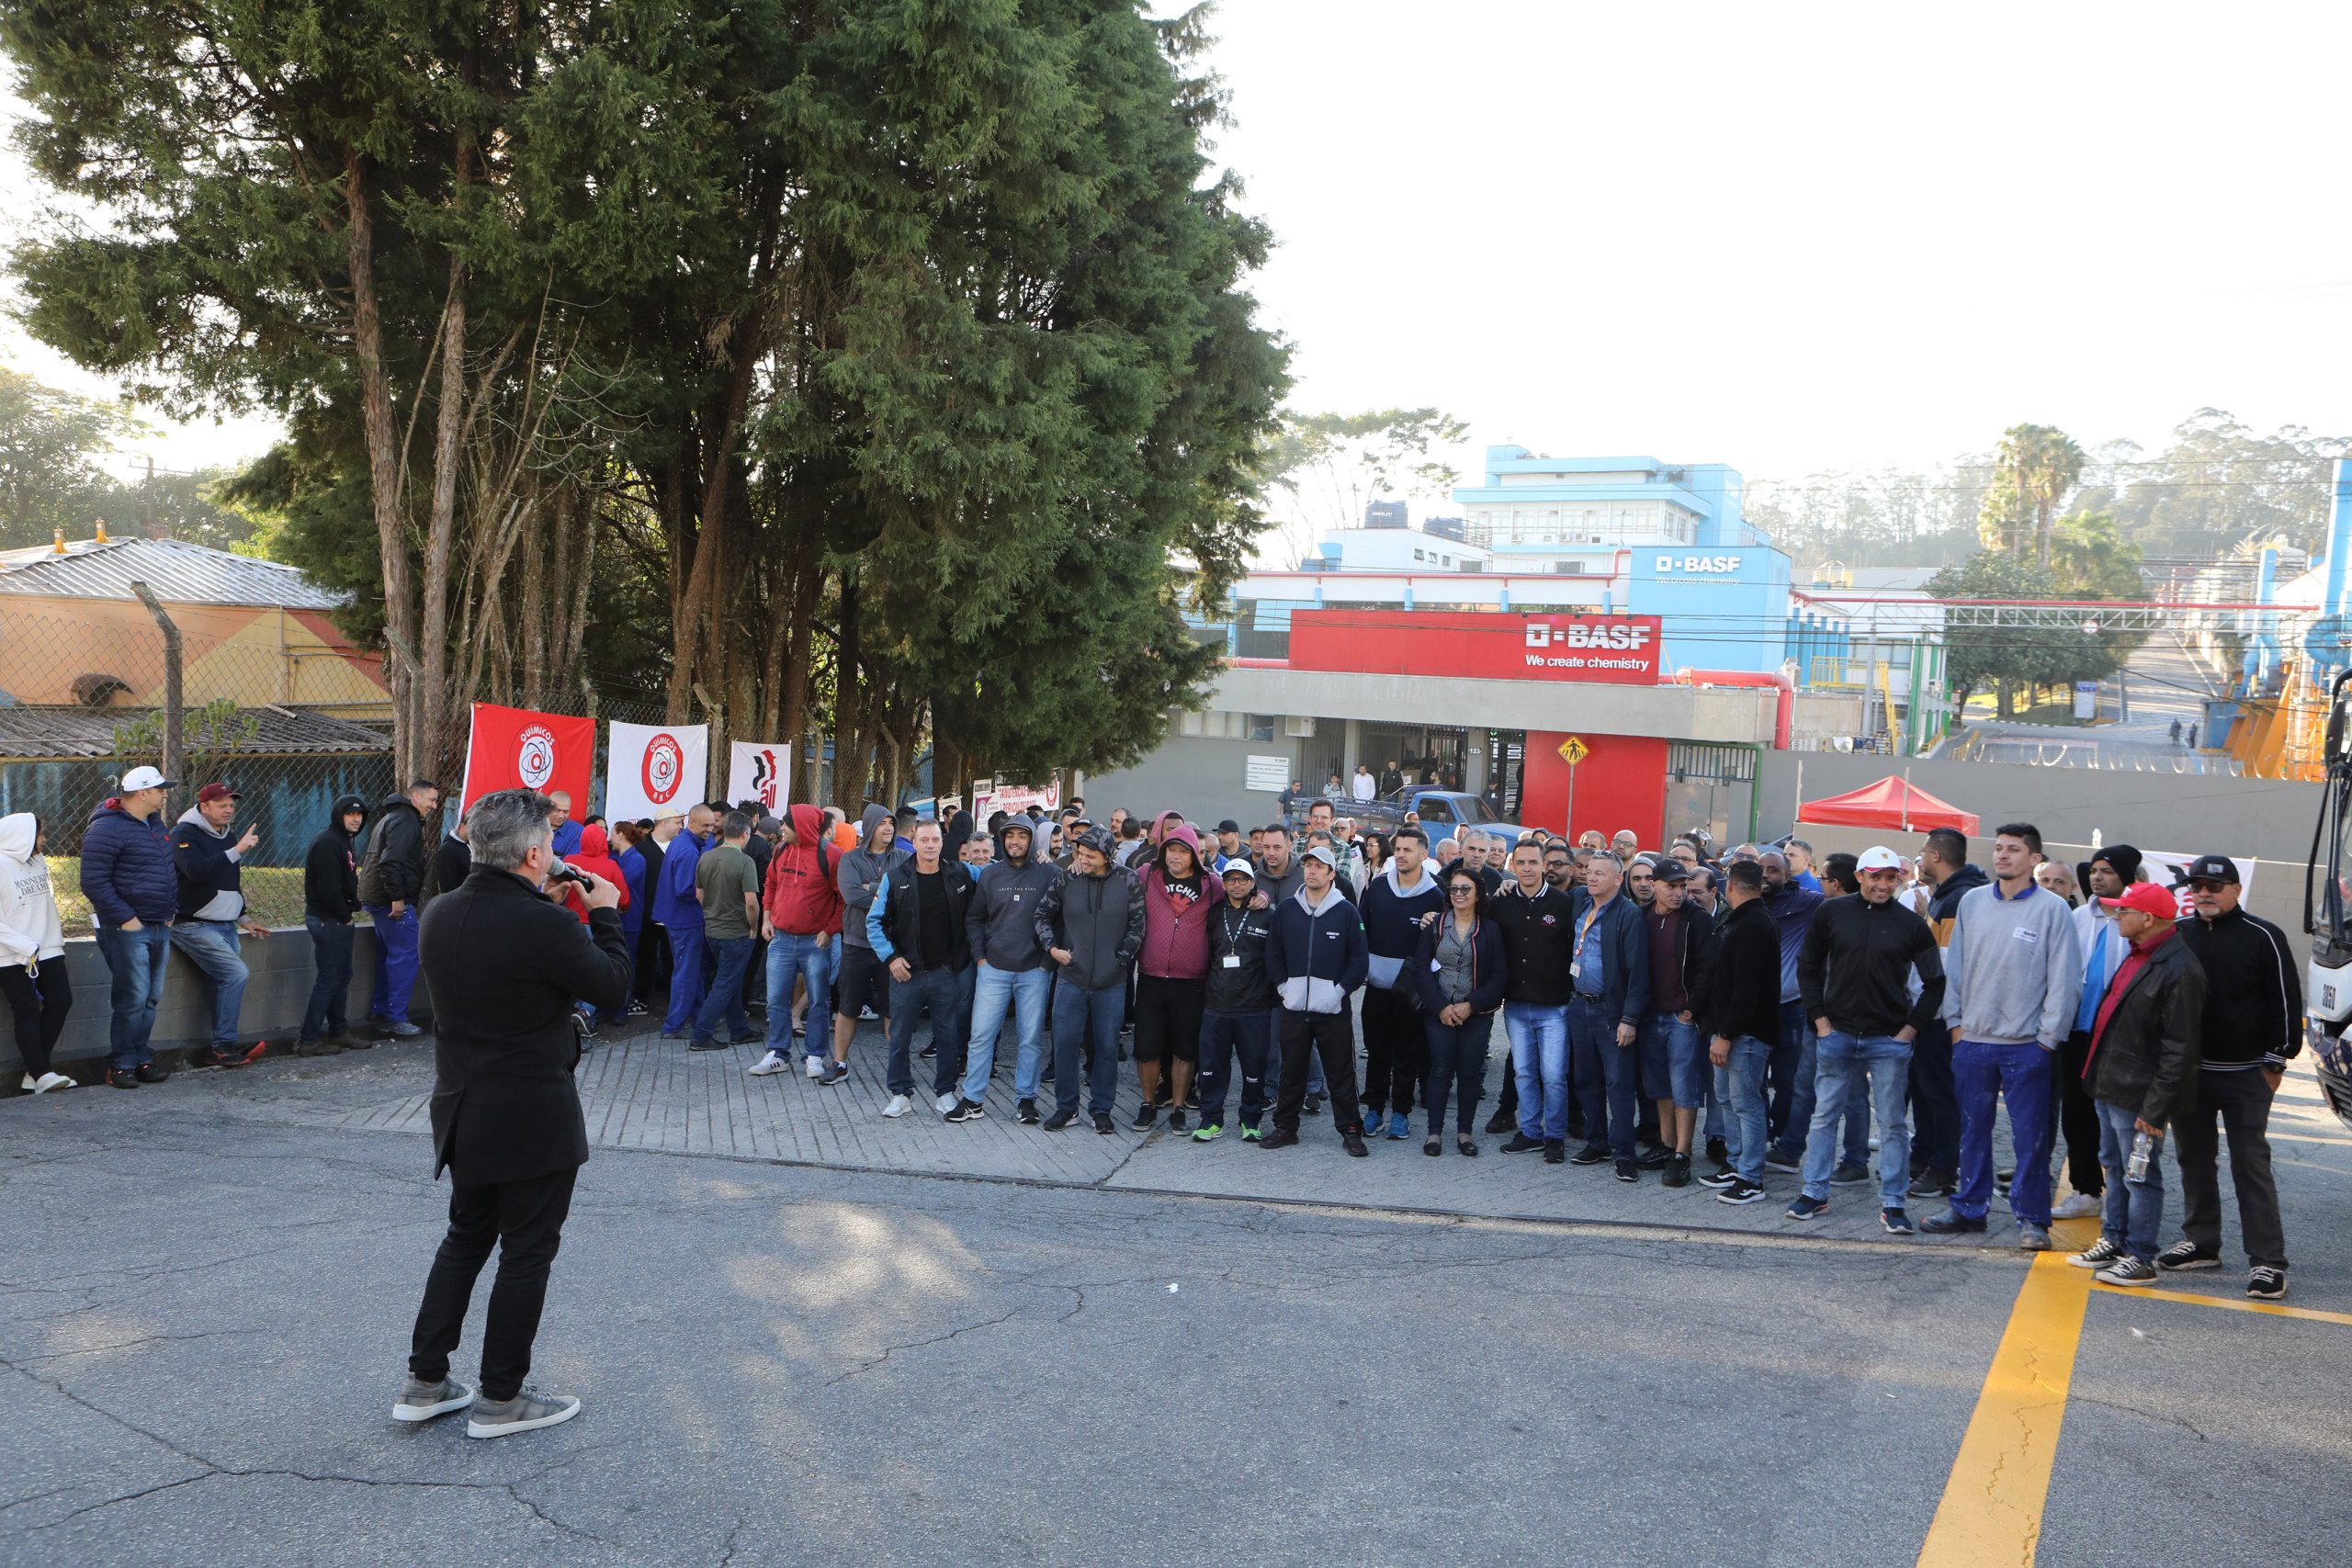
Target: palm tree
2040 463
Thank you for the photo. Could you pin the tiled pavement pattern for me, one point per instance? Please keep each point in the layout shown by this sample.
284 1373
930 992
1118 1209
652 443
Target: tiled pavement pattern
644 1094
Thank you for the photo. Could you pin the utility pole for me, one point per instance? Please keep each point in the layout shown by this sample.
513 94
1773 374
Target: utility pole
173 704
147 501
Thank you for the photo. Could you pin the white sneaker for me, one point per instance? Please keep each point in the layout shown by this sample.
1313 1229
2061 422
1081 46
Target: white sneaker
944 1104
50 1081
900 1105
2079 1206
772 1061
816 1067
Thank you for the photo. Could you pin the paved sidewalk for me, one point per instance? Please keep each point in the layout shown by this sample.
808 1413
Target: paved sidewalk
644 1094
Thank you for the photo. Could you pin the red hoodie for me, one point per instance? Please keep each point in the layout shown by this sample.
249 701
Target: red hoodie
1176 915
594 856
802 895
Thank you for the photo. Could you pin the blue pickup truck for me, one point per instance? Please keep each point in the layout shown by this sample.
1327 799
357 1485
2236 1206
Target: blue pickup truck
1442 811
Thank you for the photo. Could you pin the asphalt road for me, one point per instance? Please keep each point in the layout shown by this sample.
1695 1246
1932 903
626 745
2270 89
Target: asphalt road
203 1319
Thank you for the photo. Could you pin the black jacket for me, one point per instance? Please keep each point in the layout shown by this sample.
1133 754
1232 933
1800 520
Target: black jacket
1539 941
453 861
1489 967
1855 967
2146 1057
1742 992
1097 920
2254 996
1239 933
504 966
204 869
330 869
393 868
902 917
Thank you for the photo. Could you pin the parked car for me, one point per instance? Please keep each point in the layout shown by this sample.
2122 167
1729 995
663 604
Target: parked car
1442 811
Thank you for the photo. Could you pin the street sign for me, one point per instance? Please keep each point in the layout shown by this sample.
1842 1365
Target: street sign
1574 750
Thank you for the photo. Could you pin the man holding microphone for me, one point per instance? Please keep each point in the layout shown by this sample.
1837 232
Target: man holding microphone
504 965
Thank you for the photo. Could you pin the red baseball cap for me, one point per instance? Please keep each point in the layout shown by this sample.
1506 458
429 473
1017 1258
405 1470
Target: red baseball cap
2149 899
214 792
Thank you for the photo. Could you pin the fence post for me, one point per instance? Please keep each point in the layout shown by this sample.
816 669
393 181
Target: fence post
173 705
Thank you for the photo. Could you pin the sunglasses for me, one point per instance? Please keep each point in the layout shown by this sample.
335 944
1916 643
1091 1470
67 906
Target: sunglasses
2204 885
1463 890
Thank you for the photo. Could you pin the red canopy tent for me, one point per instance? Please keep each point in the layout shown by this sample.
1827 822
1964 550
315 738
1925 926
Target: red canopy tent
1890 803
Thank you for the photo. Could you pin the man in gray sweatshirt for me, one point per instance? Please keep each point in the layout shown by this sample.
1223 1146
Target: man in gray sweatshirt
1001 927
2013 973
861 975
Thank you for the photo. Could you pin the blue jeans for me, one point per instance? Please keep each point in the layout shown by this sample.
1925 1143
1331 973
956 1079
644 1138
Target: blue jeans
685 976
1883 1063
211 946
331 942
135 960
793 957
1539 1057
1739 1085
1224 1036
1074 1009
1607 1075
940 992
1982 1074
395 962
994 991
2134 1209
724 1002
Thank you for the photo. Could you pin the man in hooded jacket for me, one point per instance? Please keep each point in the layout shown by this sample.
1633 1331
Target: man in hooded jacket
391 880
330 901
800 915
1002 934
861 980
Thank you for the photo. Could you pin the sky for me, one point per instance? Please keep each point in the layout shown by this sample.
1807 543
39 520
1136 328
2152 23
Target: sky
1789 238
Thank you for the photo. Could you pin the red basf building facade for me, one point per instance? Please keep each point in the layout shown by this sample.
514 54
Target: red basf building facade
1622 780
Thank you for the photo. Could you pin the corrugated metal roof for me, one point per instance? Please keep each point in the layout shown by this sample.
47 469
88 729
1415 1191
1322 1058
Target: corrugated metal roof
179 572
49 733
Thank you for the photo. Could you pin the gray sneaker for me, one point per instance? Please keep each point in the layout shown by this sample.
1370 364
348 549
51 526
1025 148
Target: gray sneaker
2032 1237
527 1412
403 1030
422 1401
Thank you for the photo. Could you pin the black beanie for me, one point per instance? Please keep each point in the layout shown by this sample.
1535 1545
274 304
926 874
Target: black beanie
2123 858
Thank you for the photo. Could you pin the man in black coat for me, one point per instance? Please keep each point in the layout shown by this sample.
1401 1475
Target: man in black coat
504 966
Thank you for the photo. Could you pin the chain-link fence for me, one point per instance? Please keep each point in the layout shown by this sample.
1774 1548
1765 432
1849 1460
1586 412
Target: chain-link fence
274 703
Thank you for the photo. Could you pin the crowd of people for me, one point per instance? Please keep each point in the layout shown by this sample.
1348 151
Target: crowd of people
1727 1018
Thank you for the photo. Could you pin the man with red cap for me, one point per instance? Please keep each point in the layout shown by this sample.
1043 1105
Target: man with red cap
212 913
2147 1042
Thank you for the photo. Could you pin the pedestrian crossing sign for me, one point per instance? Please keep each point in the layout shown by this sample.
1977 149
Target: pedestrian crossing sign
1574 750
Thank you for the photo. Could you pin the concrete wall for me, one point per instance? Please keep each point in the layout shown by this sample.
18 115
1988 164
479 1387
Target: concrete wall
1201 778
274 997
2189 813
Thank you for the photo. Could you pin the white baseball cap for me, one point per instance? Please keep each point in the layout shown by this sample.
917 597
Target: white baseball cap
1878 857
147 778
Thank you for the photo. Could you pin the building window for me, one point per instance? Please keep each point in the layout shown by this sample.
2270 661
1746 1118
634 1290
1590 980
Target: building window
1262 726
1417 555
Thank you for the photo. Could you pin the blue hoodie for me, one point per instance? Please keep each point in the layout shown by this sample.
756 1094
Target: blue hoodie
675 907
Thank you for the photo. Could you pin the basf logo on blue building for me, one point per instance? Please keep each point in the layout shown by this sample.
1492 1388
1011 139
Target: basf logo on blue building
1724 608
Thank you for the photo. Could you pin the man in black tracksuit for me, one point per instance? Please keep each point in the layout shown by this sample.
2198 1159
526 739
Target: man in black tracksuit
329 899
1238 1014
1539 944
1738 1004
2253 1027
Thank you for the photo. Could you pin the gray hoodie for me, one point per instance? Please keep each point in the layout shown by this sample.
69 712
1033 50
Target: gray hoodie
860 877
2013 970
1001 924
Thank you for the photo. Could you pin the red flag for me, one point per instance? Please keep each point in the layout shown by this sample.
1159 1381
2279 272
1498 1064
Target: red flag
516 749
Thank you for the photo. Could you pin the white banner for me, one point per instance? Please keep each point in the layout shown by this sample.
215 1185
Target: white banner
655 769
2170 871
1267 775
1008 797
761 771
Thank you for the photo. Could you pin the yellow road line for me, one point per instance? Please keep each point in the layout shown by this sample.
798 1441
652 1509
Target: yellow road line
1992 1503
2198 1298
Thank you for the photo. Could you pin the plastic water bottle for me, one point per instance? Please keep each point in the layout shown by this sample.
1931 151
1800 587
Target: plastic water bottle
2143 1149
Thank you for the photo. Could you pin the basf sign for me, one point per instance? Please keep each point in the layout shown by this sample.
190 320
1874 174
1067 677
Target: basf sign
1501 646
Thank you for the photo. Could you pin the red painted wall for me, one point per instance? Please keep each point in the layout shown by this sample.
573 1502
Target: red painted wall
1621 784
1523 645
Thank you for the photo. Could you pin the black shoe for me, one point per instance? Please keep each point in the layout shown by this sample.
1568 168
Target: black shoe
1103 1124
357 1043
834 1073
1627 1171
1025 1113
317 1048
1780 1158
2001 1180
965 1111
1556 1151
1277 1139
1655 1159
1146 1118
1678 1171
1950 1223
714 1043
1739 1191
1502 1121
1719 1177
928 1051
1059 1119
1718 1151
1176 1120
1521 1143
2184 1256
149 1073
1848 1174
1935 1184
1353 1143
1193 1101
1592 1154
1314 1106
119 1079
206 1056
